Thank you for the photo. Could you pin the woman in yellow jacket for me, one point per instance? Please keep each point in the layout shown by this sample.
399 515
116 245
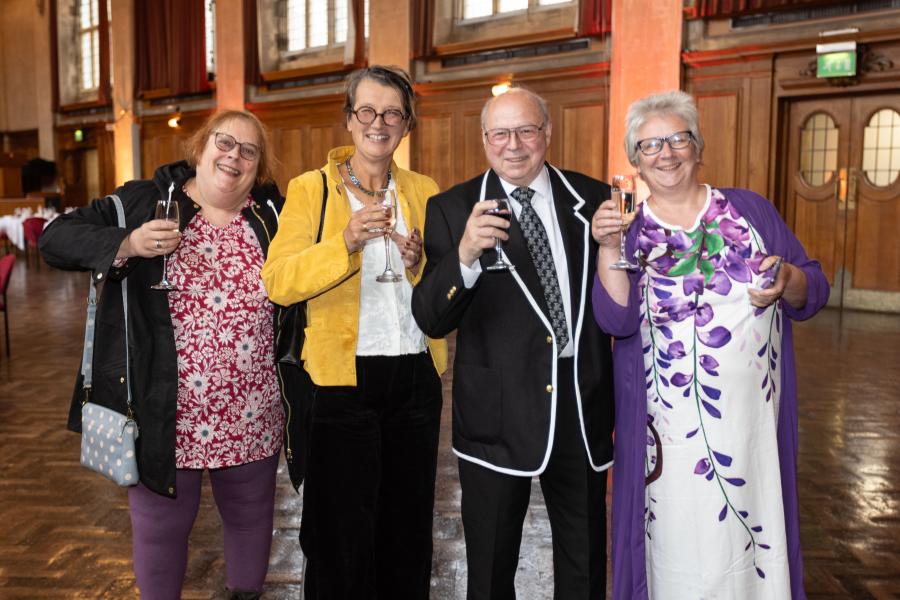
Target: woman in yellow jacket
369 486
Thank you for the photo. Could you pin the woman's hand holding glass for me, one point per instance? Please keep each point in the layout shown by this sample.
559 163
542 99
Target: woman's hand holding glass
606 226
153 238
365 224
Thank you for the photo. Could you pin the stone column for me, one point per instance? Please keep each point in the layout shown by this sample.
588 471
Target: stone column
43 77
126 132
231 91
390 43
646 58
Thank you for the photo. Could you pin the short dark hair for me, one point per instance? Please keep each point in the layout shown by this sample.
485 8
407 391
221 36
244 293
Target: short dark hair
391 76
195 144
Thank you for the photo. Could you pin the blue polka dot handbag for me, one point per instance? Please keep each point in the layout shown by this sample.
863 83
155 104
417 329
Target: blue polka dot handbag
107 436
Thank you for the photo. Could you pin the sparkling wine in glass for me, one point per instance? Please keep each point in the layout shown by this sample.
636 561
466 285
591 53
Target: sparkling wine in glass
167 210
623 194
504 211
389 205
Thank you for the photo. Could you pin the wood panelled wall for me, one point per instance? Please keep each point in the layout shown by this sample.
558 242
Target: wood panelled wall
735 104
71 163
161 144
303 131
447 142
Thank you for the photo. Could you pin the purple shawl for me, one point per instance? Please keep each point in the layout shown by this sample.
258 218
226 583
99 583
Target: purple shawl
629 575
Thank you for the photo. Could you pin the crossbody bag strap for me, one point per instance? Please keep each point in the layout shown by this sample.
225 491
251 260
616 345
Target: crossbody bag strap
324 202
87 357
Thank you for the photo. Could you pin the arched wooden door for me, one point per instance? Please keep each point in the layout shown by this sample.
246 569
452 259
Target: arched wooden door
843 194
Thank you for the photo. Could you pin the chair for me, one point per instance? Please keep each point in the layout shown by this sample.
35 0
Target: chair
6 267
32 229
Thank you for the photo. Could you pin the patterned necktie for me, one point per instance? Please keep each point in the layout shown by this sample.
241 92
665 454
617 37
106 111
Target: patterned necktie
539 247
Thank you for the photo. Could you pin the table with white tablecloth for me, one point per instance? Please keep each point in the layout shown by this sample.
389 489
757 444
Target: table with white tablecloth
12 225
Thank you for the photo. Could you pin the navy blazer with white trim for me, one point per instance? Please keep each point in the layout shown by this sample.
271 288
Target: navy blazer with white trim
505 368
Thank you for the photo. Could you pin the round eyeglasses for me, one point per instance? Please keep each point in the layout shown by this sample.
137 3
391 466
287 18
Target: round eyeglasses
367 115
225 143
654 145
501 136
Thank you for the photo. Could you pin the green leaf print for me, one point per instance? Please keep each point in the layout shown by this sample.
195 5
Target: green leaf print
688 265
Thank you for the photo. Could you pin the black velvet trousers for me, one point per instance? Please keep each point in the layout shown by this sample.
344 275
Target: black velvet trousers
368 495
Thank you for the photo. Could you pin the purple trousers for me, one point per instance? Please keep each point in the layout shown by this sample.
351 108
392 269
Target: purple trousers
245 497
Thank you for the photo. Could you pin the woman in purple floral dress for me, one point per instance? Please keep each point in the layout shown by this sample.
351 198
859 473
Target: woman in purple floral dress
704 481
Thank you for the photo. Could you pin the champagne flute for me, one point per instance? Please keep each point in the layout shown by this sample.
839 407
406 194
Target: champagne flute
389 204
167 211
623 194
504 211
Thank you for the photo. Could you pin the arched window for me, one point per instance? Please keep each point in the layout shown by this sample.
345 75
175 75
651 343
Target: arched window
818 149
881 148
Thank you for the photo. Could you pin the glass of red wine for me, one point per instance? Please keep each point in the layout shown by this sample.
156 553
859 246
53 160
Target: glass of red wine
504 211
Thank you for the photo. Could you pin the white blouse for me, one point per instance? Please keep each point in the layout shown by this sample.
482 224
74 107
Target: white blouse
386 324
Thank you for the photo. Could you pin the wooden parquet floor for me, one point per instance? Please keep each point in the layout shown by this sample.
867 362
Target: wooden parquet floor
65 532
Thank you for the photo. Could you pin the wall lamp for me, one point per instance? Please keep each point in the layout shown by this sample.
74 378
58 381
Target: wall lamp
501 88
175 120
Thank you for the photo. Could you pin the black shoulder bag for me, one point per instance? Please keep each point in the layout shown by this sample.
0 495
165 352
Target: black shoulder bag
297 386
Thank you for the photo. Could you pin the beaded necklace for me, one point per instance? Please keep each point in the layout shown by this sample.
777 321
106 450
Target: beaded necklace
357 183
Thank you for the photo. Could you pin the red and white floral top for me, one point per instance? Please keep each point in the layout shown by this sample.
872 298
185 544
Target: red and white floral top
229 411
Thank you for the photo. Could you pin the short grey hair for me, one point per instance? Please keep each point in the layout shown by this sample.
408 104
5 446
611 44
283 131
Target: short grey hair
389 76
669 104
539 102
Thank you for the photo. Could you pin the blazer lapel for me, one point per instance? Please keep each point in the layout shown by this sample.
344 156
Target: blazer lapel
572 225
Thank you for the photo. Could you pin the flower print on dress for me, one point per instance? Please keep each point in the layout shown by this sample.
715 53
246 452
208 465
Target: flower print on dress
693 294
214 383
216 300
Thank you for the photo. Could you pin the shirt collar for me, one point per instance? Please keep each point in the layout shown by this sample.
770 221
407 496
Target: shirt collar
540 185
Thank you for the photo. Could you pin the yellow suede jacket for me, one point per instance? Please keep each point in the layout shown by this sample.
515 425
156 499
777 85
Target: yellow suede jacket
326 275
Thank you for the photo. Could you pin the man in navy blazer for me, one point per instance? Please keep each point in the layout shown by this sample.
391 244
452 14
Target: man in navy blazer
532 377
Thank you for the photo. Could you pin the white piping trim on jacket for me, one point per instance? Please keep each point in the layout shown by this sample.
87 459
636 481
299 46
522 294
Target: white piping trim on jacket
274 210
507 471
553 373
577 334
584 280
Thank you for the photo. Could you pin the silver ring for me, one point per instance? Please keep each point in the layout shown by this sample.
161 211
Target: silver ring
158 245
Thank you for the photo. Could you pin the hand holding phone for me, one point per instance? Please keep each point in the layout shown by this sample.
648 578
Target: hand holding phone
771 274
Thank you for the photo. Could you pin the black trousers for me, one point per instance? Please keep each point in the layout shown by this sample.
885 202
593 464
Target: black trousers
368 496
494 506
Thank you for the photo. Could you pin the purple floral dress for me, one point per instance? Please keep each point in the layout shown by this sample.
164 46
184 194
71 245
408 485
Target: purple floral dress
714 520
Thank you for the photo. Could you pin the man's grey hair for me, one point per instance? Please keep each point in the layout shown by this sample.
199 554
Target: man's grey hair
536 99
669 104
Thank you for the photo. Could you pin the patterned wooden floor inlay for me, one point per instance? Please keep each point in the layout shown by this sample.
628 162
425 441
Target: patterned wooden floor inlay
66 532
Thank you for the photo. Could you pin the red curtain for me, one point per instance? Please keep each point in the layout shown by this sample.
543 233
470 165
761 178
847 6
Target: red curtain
359 44
251 44
422 24
594 17
170 43
731 8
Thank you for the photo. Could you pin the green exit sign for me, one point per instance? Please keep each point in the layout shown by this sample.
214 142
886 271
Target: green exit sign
837 64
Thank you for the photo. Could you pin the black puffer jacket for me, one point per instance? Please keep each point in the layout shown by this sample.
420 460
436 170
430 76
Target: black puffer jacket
88 239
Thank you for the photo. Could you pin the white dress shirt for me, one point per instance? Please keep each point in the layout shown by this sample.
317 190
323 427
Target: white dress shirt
542 201
386 324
